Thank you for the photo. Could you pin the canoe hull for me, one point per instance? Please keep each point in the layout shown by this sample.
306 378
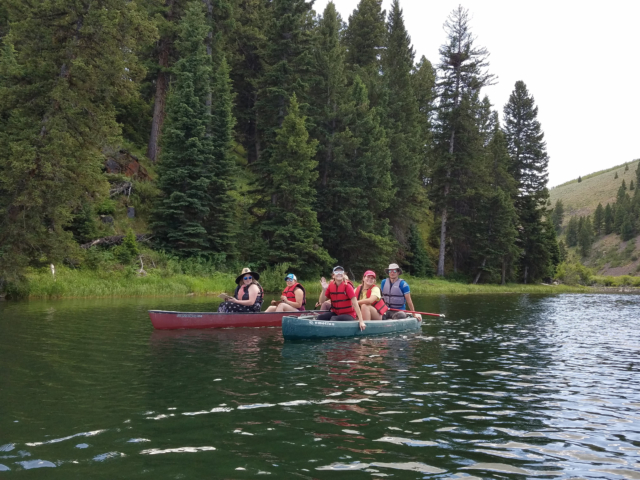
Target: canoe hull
294 328
165 320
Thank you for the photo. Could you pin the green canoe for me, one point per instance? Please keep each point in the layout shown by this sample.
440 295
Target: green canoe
309 327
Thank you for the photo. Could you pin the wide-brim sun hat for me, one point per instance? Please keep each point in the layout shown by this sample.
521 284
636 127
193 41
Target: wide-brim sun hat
393 266
369 273
247 271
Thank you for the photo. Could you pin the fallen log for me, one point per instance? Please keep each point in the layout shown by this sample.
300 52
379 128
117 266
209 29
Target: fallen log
114 240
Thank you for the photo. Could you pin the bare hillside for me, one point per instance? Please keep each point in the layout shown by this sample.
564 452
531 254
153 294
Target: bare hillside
582 198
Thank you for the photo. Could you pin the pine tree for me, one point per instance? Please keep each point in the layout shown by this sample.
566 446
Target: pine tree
621 212
572 232
579 179
626 167
631 186
290 228
364 39
220 222
598 220
615 177
358 188
527 149
63 66
463 72
186 160
562 250
330 90
419 264
585 237
402 123
424 88
608 219
627 230
557 217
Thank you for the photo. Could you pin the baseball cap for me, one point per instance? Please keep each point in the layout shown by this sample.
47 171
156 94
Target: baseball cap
338 269
370 272
290 276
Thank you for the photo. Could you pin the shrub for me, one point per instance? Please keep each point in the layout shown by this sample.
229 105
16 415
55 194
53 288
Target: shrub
573 273
128 250
272 279
106 207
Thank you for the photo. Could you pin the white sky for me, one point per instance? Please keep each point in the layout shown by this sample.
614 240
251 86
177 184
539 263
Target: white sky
580 61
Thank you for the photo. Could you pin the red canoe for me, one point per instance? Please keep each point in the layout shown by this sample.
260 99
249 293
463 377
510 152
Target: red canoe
163 320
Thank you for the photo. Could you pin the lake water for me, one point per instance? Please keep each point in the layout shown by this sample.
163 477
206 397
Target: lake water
510 386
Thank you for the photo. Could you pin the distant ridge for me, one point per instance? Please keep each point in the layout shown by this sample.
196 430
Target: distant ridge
582 198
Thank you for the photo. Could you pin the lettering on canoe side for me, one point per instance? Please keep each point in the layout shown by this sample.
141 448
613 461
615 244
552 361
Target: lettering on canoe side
320 322
188 315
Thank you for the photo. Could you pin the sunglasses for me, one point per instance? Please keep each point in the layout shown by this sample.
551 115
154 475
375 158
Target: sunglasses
248 278
288 279
393 271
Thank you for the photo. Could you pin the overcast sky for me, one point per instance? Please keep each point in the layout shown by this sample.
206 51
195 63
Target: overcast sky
579 60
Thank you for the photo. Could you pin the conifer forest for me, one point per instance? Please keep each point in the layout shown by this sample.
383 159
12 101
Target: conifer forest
262 132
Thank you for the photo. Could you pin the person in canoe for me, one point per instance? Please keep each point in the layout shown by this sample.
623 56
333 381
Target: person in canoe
293 299
248 296
326 305
369 298
396 292
344 306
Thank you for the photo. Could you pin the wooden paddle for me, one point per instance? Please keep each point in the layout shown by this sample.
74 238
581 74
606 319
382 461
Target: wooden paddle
421 313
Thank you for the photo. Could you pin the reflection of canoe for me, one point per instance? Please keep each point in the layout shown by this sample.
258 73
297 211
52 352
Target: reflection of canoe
163 320
309 327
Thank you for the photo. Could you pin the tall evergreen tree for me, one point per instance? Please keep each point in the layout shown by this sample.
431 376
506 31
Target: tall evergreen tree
220 222
364 39
358 188
290 228
463 72
62 67
424 88
598 220
572 232
402 123
527 148
186 161
557 217
608 219
419 264
330 90
585 237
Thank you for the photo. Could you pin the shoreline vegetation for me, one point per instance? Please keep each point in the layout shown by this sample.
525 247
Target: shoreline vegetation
78 283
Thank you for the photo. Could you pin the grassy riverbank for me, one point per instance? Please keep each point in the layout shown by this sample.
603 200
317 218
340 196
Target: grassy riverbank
78 283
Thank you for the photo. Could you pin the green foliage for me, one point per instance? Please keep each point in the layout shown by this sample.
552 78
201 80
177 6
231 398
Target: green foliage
574 273
585 237
557 216
616 176
599 220
419 264
579 179
290 227
63 66
106 207
608 219
129 250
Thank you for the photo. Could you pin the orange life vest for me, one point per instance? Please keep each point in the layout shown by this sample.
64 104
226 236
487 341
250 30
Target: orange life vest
340 301
290 293
380 306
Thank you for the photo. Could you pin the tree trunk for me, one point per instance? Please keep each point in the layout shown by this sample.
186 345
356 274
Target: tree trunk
153 148
443 239
526 273
160 100
209 42
484 262
504 271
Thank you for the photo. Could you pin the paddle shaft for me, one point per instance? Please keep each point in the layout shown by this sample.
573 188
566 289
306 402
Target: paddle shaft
421 313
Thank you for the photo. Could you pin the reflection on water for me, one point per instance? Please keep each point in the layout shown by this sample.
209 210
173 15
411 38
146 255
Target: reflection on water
504 387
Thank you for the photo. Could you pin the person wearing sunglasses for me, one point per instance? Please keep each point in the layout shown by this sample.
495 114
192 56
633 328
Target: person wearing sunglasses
396 292
344 305
248 296
293 299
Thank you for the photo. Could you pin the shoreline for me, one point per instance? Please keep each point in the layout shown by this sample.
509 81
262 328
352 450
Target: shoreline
82 284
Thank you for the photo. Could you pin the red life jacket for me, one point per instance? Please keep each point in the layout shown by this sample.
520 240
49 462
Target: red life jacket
290 293
380 306
340 301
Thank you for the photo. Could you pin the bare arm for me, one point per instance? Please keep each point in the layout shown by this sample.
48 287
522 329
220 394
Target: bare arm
298 302
253 294
325 285
407 297
356 307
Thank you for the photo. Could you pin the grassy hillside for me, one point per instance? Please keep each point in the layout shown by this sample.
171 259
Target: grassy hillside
609 256
582 198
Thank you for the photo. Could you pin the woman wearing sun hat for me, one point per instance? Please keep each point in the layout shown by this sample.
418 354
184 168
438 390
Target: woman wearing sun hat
293 299
248 296
370 298
344 306
395 291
